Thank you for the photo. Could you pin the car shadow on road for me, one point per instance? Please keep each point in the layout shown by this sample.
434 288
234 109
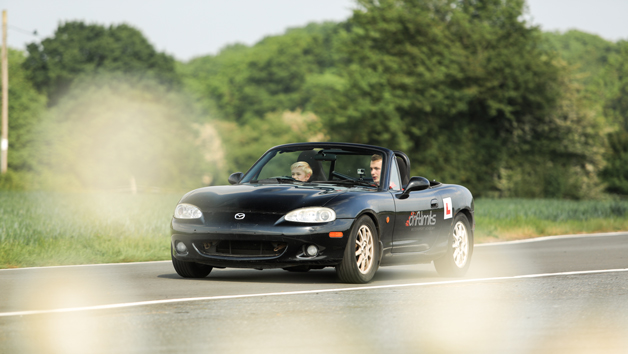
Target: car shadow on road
384 275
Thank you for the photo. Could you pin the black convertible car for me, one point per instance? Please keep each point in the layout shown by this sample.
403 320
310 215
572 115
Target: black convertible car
314 205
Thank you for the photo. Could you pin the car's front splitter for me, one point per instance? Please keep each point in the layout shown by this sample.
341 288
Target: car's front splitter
263 247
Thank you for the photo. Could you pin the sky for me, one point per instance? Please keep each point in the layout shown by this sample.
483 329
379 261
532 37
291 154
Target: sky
191 28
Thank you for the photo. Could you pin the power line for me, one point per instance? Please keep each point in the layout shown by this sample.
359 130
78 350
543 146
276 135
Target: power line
32 33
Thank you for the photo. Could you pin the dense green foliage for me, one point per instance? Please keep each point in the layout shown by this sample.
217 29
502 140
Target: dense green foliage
455 84
616 172
587 53
243 84
26 105
473 93
116 117
600 68
78 49
258 93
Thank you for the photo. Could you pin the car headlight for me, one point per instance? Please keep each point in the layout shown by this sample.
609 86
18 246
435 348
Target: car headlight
187 211
317 214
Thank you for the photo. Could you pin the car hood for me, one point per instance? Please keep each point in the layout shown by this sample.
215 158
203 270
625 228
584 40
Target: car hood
274 199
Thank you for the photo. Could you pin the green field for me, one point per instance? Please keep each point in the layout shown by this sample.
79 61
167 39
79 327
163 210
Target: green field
40 229
511 219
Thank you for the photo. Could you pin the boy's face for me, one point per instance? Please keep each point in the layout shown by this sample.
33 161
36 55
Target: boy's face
300 175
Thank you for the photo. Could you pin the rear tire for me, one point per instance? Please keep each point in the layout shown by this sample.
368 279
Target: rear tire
190 269
361 257
457 259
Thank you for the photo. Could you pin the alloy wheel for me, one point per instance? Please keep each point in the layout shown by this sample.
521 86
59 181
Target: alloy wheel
364 250
460 244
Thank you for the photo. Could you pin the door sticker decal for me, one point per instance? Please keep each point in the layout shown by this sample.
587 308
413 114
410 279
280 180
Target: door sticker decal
449 212
420 219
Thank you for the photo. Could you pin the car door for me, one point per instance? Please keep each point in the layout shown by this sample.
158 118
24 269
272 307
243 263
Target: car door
417 219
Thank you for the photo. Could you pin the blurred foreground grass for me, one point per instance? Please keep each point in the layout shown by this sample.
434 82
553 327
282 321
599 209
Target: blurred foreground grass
41 229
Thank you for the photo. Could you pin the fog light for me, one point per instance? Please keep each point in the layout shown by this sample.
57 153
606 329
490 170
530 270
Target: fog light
181 248
311 250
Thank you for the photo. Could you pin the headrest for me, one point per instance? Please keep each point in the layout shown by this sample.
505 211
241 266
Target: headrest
317 168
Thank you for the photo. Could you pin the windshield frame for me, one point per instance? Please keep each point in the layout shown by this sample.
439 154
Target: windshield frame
386 154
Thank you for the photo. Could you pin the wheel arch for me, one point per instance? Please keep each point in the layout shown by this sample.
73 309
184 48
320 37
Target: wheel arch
373 216
469 216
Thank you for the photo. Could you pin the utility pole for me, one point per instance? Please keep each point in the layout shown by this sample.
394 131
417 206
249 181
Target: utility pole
4 141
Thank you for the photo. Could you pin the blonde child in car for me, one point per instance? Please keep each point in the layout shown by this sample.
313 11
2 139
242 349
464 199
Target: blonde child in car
301 171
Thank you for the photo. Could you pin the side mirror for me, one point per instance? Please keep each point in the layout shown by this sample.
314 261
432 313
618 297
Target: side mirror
235 178
415 184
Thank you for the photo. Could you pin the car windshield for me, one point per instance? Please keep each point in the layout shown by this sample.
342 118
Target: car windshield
340 166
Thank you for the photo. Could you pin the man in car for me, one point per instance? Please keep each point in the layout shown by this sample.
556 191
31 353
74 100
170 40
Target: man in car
376 171
376 167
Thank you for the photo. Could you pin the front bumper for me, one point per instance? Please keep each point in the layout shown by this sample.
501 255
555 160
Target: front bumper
260 246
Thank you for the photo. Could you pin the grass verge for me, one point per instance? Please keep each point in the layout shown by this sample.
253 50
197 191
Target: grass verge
514 219
43 229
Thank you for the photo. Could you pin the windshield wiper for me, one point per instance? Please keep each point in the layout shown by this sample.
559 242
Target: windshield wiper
355 182
278 179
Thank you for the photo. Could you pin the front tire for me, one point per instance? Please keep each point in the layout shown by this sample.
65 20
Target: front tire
457 259
360 260
190 269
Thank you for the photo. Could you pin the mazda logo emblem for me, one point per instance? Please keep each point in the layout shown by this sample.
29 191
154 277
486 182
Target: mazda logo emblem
239 216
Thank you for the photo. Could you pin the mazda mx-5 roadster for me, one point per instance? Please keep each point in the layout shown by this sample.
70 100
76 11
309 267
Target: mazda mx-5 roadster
314 205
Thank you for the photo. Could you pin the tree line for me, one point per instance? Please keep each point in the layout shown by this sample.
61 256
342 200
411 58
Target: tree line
469 90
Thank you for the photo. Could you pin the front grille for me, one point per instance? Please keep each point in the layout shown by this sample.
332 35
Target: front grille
243 248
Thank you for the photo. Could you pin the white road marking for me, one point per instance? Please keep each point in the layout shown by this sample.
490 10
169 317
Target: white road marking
536 239
84 265
549 238
304 292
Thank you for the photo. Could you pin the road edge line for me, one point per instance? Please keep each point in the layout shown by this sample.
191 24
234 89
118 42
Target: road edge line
303 292
555 237
500 243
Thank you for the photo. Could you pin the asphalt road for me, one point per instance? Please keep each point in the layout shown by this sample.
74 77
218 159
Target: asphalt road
551 295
